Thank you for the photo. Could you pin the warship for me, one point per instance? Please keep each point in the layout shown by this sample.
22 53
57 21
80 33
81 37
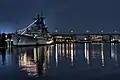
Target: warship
35 33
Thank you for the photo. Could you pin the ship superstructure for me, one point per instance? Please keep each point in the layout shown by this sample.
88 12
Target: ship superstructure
36 32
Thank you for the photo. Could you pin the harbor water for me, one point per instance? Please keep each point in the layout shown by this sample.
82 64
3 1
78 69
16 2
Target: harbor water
86 61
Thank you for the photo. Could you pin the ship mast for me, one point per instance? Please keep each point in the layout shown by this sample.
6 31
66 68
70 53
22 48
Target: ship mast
40 24
40 21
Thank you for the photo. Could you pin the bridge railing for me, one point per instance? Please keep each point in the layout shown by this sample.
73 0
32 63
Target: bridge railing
87 33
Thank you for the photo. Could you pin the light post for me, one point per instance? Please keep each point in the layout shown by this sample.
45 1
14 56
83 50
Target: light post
71 30
73 37
102 31
56 30
87 30
115 31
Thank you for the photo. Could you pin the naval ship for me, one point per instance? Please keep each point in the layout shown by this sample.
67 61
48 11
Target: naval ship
35 33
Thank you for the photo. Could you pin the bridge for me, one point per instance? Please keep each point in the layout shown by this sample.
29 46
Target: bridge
72 36
83 34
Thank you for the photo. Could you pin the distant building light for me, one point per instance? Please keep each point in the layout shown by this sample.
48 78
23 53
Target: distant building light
58 36
6 36
112 39
85 38
35 35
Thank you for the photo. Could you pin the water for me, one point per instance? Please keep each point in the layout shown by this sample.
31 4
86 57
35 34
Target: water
61 62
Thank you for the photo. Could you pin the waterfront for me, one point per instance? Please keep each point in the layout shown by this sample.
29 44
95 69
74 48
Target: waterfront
56 62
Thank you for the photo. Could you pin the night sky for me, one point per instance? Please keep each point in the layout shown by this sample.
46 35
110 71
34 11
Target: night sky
80 15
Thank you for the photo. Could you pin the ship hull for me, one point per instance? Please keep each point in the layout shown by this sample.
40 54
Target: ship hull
25 40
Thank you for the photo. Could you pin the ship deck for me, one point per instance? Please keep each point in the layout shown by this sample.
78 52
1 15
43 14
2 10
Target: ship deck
30 45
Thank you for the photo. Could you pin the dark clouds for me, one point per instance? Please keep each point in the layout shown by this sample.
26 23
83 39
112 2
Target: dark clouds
62 14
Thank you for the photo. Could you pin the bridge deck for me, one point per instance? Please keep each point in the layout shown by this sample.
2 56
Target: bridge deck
69 34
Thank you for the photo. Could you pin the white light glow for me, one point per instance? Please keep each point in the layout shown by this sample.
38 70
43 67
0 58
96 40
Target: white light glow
102 55
102 31
49 42
56 30
56 54
87 53
72 55
85 38
87 30
28 65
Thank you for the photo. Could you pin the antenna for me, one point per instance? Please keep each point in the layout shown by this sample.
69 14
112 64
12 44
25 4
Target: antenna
41 14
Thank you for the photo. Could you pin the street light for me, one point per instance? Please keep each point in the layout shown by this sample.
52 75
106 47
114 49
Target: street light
71 30
56 30
115 31
101 30
87 30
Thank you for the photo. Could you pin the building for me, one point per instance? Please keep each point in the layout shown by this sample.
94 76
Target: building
95 38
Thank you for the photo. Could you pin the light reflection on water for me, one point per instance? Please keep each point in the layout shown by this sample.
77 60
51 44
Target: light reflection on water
61 59
36 63
65 56
93 56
